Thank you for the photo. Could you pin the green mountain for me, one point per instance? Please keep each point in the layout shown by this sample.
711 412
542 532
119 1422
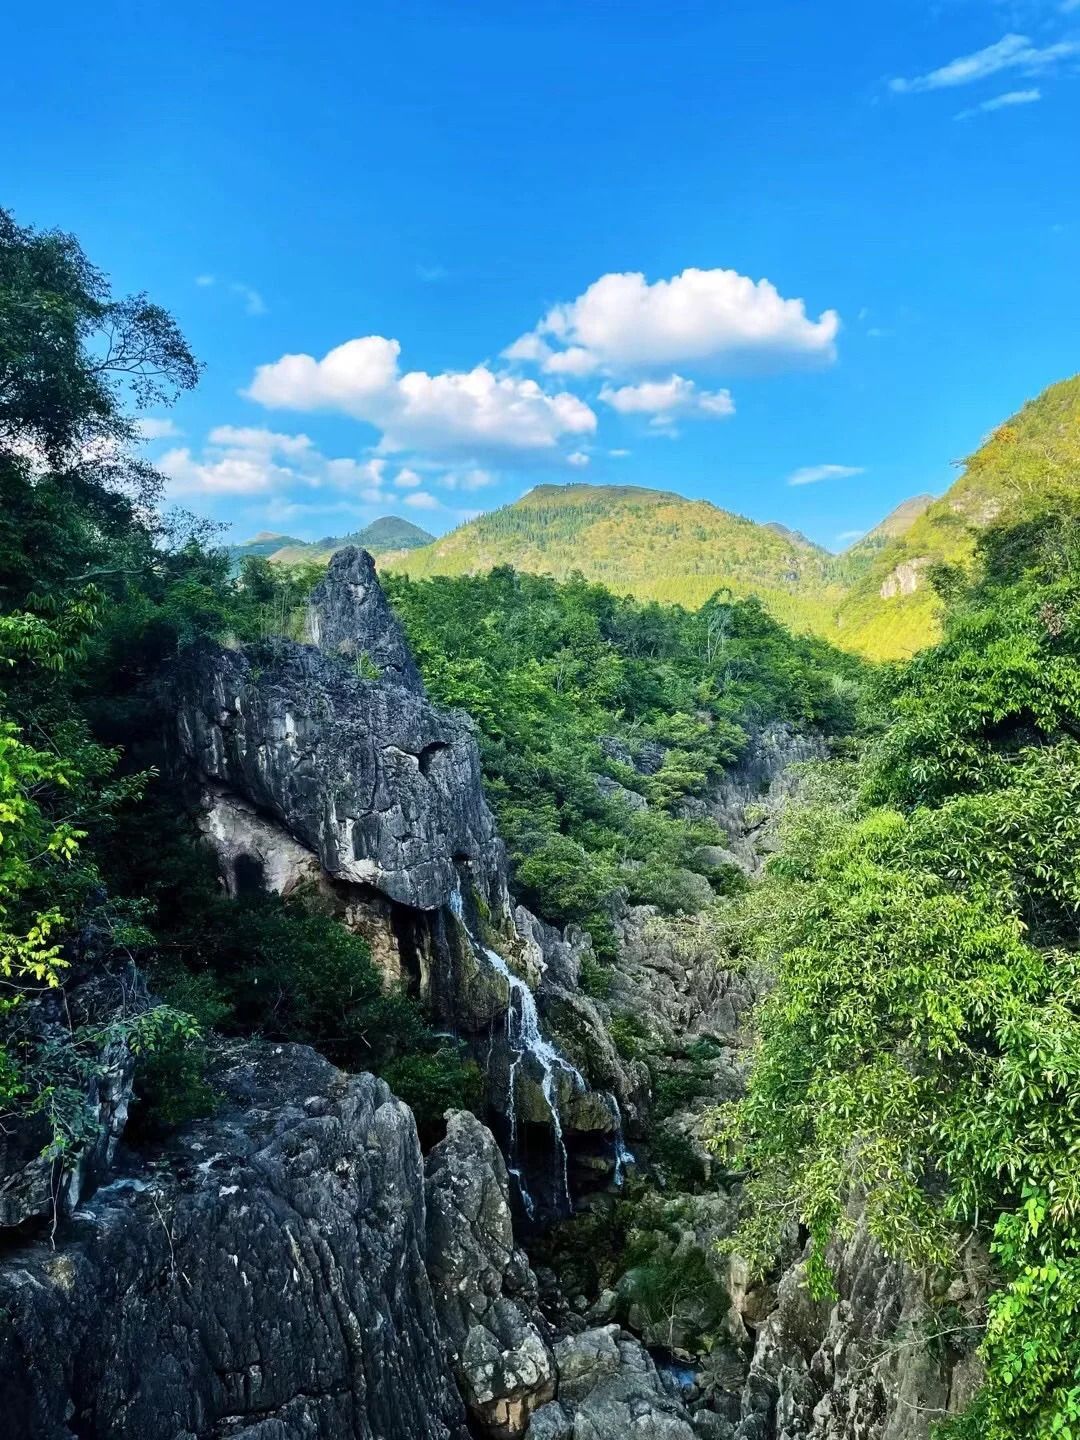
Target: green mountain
875 599
1028 465
648 543
390 533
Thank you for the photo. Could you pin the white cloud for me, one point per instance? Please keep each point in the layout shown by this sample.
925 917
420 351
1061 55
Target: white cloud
578 459
254 304
245 460
156 427
666 400
1001 102
618 454
623 322
811 474
423 500
249 437
407 479
474 479
453 412
1011 52
236 472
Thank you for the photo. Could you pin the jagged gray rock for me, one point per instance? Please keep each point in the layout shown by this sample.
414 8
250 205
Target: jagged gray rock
869 1366
748 799
35 1183
350 617
384 788
610 1387
485 1292
265 1278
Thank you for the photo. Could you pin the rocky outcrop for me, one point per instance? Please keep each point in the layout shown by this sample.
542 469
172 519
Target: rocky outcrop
380 785
41 1180
264 1278
748 799
879 1363
610 1389
349 616
485 1292
904 579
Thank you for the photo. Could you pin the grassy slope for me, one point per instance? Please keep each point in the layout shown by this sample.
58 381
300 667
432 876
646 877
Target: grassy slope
649 543
1027 463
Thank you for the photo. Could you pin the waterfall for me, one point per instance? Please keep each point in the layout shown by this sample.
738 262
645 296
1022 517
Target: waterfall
623 1156
524 1037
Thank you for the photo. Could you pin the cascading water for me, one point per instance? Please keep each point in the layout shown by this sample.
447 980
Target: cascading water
623 1156
524 1037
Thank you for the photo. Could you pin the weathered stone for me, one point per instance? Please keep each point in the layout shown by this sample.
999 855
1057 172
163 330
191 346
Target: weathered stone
484 1289
350 617
264 1278
380 785
855 1369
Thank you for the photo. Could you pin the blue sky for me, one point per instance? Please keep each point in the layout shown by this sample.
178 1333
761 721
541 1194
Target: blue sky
703 246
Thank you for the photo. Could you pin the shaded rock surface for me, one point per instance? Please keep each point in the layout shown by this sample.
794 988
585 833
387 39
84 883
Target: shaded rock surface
350 617
485 1292
877 1364
384 788
265 1278
749 798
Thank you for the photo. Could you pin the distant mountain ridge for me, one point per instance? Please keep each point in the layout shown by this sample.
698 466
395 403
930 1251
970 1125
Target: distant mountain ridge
876 598
1027 465
388 533
650 543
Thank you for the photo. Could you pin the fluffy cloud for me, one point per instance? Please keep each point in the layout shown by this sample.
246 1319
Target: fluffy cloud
578 459
456 412
155 427
407 479
667 400
422 500
1001 102
622 322
246 460
1011 52
812 474
249 437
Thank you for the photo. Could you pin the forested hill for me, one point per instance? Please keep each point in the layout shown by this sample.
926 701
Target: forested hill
649 543
876 599
390 533
1030 464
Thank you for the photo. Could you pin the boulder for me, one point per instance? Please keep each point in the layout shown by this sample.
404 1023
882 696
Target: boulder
484 1291
263 1278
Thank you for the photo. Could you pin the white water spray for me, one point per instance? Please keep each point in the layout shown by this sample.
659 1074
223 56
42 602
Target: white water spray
524 1037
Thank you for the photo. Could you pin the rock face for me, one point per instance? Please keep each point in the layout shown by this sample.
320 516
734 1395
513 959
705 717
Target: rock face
34 1185
609 1389
485 1292
750 796
381 786
874 1365
348 616
265 1279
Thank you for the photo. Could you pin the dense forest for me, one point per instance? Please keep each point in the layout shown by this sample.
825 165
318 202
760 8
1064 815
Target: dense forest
917 1061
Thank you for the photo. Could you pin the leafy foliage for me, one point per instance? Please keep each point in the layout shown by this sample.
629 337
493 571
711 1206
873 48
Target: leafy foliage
921 1050
567 682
